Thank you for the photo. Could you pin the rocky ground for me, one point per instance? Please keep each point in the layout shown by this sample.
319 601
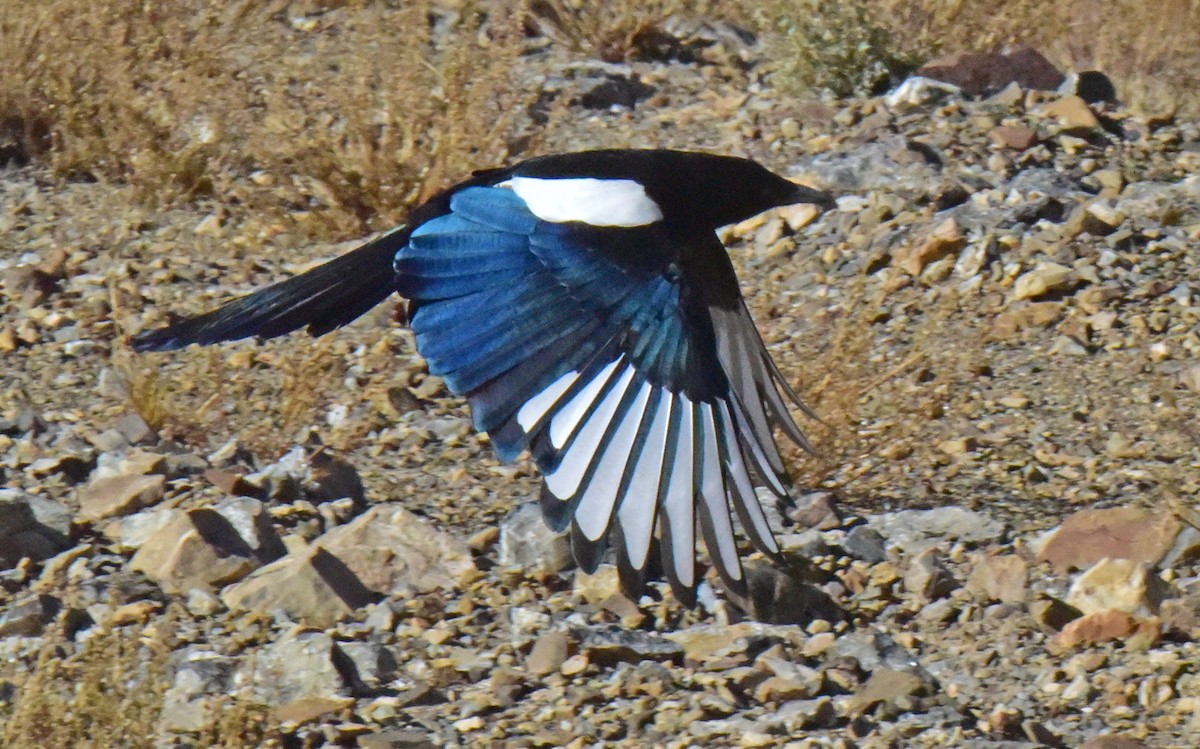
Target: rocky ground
303 543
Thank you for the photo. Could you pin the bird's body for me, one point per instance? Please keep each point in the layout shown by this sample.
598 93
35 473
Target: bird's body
584 306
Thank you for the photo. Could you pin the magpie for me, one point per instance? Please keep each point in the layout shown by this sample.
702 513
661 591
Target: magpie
585 307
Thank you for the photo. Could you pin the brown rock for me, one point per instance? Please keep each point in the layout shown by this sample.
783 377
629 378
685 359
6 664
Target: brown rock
946 240
1119 584
549 652
308 709
29 285
927 577
119 495
1001 577
981 73
598 586
1110 625
232 483
785 689
1117 533
1113 741
1037 315
393 551
142 462
1045 278
311 586
885 685
1071 112
1017 137
194 550
1181 617
1053 614
816 510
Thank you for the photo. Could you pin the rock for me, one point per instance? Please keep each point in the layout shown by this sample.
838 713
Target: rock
119 495
597 587
1088 536
50 515
919 90
549 652
528 543
251 520
927 576
1119 584
198 548
311 586
406 738
1114 741
1053 614
896 688
791 681
133 530
202 678
817 510
300 666
30 285
799 216
865 543
1017 137
1044 279
1037 315
984 73
777 597
23 534
1071 112
1002 577
200 602
911 531
28 617
335 478
946 240
1104 626
366 666
612 644
1181 616
394 552
1101 218
707 643
877 650
309 709
882 165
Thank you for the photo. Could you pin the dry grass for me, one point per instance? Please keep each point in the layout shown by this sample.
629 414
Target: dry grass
836 49
624 30
106 694
244 101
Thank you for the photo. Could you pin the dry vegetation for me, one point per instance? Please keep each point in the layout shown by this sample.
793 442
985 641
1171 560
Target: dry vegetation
240 100
105 692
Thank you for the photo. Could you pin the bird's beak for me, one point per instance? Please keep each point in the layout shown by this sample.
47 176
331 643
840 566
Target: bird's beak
819 198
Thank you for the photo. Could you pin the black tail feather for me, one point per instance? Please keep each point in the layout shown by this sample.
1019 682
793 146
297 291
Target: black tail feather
326 297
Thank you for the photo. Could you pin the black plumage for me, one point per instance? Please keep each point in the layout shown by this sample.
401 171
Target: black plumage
584 306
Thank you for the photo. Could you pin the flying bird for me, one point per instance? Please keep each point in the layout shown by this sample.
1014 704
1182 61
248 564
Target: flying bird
584 306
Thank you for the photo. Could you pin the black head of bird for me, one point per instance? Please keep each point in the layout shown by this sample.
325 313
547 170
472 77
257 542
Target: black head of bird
585 308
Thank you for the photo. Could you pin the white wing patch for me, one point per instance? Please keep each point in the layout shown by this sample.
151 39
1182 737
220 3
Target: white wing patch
596 505
564 480
636 513
599 202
